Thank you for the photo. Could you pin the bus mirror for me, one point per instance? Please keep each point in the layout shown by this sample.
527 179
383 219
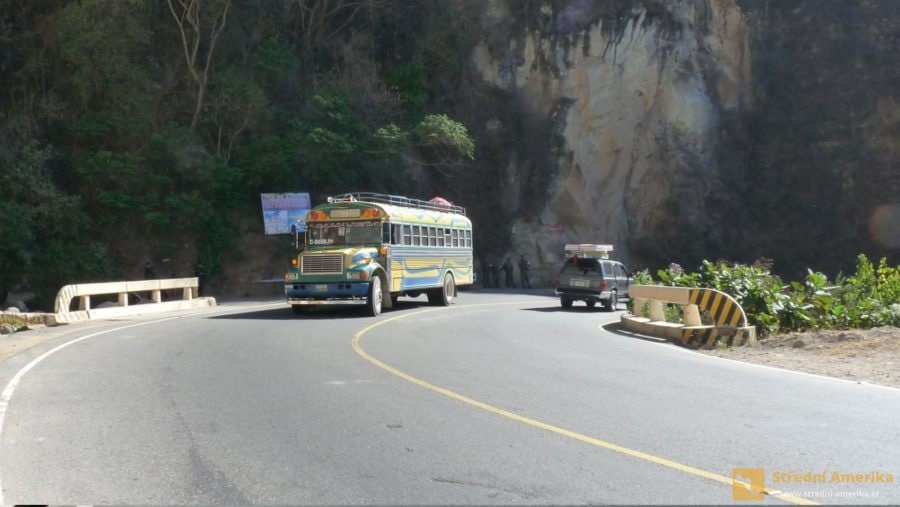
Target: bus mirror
299 243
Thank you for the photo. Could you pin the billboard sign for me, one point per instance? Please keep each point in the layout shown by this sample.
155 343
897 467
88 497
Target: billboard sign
281 212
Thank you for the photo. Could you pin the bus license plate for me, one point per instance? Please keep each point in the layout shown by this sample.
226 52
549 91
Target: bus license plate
321 287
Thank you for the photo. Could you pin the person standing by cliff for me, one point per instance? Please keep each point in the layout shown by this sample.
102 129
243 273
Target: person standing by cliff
149 273
200 273
524 268
493 280
508 269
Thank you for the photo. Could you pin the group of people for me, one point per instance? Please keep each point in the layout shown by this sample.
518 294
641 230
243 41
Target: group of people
491 273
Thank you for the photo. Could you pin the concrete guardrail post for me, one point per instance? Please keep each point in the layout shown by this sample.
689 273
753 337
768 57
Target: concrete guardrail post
656 311
692 315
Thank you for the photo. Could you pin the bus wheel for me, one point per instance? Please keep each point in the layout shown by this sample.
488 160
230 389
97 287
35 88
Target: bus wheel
373 303
444 295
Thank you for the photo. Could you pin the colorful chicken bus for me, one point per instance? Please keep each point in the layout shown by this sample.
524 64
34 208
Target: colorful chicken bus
369 249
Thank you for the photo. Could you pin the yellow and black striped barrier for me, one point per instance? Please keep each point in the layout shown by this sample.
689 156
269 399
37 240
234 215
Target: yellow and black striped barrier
725 320
724 309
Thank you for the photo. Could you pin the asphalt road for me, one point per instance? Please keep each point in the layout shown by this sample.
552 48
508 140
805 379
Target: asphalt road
498 399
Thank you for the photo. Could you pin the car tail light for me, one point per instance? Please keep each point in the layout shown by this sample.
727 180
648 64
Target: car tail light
556 282
602 284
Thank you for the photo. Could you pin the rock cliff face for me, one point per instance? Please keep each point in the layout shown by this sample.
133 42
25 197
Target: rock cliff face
682 131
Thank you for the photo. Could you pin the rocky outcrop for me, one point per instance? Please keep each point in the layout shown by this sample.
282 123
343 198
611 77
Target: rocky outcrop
12 320
655 132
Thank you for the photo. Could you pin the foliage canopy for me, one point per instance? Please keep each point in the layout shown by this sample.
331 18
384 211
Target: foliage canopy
135 129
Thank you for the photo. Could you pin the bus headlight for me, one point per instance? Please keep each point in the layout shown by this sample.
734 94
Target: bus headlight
291 275
357 275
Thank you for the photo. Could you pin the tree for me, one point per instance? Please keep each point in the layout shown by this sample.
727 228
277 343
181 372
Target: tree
237 103
193 21
322 20
45 238
437 141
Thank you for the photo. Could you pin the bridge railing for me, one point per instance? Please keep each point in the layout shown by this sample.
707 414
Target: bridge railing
729 321
124 292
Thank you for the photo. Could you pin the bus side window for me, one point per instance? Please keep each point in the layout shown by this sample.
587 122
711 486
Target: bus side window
386 236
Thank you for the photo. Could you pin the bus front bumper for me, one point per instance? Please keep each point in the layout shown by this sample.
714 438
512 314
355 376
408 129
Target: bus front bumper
325 293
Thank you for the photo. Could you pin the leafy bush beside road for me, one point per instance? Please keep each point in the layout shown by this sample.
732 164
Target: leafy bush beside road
868 298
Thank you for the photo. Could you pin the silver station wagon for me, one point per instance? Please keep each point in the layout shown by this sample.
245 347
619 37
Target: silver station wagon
589 275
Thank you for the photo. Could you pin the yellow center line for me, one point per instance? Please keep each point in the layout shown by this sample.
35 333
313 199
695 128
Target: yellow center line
542 425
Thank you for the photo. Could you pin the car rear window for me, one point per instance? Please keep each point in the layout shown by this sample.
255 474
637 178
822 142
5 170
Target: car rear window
583 266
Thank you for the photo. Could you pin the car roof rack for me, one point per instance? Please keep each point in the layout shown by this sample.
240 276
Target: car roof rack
591 250
396 200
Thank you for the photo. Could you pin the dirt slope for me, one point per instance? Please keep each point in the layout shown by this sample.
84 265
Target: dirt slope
871 355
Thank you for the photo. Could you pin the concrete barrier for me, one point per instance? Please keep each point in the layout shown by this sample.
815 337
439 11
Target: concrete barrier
83 292
729 322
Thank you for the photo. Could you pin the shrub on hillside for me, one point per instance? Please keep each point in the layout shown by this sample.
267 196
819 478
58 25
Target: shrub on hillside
869 298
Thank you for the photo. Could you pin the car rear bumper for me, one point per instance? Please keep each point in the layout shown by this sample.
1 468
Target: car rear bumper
583 294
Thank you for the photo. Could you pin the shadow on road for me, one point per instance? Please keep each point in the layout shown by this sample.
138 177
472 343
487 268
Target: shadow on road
317 313
516 292
616 328
571 309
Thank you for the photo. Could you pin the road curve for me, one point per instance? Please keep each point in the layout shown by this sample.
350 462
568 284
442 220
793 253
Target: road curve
499 399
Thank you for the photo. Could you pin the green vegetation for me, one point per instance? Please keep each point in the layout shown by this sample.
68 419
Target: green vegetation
138 129
868 298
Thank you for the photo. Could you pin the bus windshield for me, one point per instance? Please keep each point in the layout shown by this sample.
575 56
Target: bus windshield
344 233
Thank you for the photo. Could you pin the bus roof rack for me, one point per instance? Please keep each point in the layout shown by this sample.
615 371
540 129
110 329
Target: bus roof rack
589 250
397 200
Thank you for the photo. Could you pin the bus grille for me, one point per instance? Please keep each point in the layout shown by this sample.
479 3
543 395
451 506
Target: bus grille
322 264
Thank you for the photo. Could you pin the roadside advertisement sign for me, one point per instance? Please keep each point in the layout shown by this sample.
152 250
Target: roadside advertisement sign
282 212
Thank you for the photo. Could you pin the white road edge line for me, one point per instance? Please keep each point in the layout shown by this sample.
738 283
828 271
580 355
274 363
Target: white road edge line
6 395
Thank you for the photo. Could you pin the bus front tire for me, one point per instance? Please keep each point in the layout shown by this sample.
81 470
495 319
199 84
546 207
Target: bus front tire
444 295
373 302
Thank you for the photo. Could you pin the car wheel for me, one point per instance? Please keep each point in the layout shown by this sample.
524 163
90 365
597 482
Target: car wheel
613 302
591 303
565 302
